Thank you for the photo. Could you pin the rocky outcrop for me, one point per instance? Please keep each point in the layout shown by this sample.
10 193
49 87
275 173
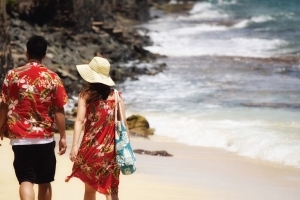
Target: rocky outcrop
181 6
78 30
6 61
80 14
139 126
68 48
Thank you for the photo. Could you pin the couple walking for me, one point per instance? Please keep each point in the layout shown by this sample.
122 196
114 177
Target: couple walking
32 100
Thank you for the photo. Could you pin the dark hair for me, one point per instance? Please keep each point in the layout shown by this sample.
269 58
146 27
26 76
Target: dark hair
95 91
36 47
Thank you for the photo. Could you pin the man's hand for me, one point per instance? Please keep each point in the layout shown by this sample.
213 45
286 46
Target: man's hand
62 146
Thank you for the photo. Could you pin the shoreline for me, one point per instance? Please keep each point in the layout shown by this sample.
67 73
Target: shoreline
246 159
191 173
217 174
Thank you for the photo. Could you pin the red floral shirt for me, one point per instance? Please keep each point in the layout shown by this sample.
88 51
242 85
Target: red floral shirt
31 93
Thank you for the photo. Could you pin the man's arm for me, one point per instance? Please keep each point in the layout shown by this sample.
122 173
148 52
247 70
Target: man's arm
3 115
61 126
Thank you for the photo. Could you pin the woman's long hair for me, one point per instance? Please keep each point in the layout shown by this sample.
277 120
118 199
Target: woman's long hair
95 91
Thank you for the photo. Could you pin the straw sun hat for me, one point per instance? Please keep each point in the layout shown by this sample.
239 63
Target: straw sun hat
97 71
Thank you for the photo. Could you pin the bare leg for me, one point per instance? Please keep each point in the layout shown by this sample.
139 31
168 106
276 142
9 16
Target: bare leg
89 193
26 191
45 191
112 197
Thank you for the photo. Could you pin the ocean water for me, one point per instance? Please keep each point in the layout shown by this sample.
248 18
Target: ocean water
232 81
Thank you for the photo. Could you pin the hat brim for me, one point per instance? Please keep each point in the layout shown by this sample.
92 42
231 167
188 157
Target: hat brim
92 77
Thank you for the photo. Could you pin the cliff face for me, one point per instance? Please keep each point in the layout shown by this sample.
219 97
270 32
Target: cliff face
6 62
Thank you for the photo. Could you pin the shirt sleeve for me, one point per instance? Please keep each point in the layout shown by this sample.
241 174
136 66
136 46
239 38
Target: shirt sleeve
60 97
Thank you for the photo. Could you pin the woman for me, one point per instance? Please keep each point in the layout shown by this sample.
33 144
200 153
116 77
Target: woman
95 159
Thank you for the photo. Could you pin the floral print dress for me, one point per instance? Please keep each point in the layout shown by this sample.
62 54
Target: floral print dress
95 163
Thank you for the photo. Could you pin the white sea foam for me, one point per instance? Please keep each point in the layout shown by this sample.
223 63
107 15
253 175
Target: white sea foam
195 30
227 2
266 134
256 47
258 19
242 24
185 42
257 139
205 10
187 107
213 14
262 18
201 7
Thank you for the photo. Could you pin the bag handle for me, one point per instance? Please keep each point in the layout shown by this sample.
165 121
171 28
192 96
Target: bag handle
118 108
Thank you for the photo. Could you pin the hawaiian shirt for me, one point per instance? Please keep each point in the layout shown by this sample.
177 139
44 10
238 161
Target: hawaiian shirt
32 92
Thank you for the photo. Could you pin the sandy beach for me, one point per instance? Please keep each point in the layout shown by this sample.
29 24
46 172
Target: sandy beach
192 173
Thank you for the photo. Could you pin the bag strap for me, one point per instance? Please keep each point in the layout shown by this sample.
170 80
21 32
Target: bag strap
118 107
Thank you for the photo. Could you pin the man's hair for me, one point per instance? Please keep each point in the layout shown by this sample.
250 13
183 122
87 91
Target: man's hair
36 47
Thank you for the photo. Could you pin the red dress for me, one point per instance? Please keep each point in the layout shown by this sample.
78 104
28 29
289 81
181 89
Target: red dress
95 163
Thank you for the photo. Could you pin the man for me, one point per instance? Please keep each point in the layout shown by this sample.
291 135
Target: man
32 98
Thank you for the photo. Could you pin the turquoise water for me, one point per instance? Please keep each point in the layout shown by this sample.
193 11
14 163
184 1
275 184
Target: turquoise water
283 20
232 82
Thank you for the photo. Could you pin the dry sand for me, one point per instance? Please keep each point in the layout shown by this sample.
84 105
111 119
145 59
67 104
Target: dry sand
193 173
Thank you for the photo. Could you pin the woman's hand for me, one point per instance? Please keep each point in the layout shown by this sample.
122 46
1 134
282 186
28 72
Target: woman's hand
73 153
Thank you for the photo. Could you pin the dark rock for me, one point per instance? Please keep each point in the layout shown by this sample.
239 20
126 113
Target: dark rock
152 153
73 41
6 61
138 125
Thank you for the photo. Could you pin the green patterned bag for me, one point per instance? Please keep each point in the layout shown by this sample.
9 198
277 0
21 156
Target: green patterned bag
124 154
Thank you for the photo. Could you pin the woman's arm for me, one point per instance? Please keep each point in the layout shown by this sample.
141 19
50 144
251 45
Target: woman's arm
78 126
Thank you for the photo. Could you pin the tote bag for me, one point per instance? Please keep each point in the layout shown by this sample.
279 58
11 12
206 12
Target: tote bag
124 154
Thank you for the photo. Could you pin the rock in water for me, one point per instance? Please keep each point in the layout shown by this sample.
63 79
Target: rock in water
138 125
